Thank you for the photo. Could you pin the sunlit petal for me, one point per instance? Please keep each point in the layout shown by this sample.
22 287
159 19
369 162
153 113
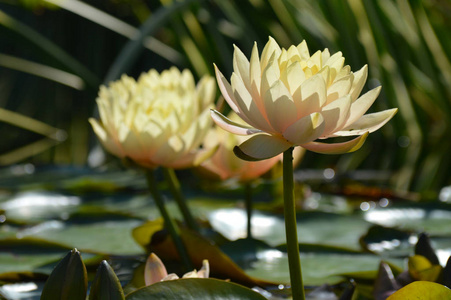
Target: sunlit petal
279 105
231 126
337 148
361 105
368 123
335 114
305 130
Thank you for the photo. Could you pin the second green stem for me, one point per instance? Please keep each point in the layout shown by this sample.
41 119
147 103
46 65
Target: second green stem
168 221
174 186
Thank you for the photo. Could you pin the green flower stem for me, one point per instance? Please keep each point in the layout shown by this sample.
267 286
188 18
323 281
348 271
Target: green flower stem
294 260
168 221
174 186
248 199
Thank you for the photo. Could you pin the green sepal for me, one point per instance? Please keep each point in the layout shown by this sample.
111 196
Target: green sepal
106 285
68 281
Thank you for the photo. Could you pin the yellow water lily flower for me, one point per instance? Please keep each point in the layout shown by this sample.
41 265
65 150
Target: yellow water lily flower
158 120
291 98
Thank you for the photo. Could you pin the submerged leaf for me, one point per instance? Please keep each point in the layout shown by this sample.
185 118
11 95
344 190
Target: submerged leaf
151 236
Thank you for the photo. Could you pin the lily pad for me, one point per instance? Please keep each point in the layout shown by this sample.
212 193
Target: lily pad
31 255
313 227
420 218
317 267
105 235
195 289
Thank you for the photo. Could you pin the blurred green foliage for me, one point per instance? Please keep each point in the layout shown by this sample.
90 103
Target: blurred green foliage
405 43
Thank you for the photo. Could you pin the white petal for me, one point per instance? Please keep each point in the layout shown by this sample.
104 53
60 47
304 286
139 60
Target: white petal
335 114
279 106
368 123
337 148
339 88
359 81
261 146
255 72
110 143
248 106
305 130
271 48
303 50
206 91
227 92
293 77
361 105
241 66
230 126
310 96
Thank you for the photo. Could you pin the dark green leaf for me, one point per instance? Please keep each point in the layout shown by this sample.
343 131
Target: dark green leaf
68 280
195 289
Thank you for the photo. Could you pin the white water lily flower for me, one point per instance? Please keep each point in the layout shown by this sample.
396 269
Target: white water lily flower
158 120
291 98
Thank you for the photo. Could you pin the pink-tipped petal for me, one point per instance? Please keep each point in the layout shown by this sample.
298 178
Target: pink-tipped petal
260 147
305 130
154 271
337 148
368 123
226 90
230 126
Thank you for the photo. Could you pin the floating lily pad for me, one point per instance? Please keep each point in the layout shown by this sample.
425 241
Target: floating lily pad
317 267
103 235
195 289
31 255
420 218
313 227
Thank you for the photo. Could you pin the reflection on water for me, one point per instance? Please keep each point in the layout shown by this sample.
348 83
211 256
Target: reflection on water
38 204
232 223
